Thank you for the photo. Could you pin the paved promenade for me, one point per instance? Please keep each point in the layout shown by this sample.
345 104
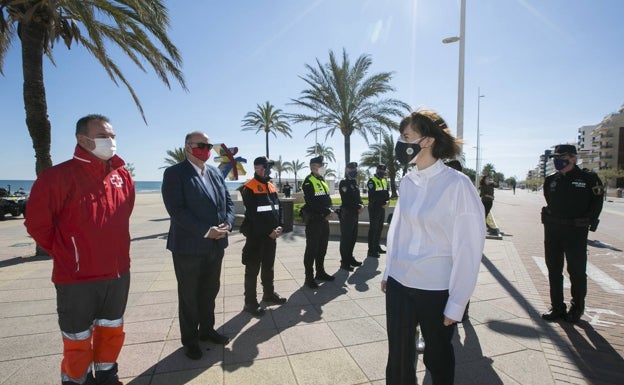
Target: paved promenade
333 335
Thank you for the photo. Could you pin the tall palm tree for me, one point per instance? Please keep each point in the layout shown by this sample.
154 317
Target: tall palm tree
341 97
268 119
175 156
295 166
370 159
278 166
128 25
320 149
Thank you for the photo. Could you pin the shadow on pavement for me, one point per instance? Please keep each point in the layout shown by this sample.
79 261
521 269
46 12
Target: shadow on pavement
595 357
19 260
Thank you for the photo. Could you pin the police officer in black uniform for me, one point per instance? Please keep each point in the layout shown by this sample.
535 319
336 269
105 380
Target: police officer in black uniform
262 227
316 214
378 197
574 201
350 209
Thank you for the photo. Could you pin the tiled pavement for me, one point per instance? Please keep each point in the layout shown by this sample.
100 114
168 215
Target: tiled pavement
333 335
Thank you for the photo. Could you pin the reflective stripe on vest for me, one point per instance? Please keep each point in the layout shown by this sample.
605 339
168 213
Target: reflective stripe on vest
264 208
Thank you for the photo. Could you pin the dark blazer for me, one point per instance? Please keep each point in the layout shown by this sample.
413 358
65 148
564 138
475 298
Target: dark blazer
193 208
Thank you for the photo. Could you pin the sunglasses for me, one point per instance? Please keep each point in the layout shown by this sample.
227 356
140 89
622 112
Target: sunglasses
202 145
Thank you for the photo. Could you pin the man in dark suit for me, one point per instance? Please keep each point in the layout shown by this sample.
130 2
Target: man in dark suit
202 214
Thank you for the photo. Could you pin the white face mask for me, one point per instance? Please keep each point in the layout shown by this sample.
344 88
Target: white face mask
321 170
105 148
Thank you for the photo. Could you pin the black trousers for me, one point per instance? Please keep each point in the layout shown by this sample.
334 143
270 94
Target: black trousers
571 242
317 237
258 257
406 308
79 304
198 285
376 218
348 233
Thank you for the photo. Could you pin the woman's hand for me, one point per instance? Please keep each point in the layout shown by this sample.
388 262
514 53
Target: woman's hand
448 321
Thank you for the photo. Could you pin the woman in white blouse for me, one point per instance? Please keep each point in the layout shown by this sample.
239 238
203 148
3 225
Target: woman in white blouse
434 248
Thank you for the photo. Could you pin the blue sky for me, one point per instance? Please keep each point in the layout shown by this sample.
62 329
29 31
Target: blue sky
546 68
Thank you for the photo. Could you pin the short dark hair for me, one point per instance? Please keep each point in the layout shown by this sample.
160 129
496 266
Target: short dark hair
430 124
83 123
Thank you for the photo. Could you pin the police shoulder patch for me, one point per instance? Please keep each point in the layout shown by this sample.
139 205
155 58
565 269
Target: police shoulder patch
598 189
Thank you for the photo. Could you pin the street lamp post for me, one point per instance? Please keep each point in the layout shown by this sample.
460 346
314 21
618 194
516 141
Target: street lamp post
478 165
460 77
380 144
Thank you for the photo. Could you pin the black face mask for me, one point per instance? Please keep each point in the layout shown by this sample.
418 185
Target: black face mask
405 151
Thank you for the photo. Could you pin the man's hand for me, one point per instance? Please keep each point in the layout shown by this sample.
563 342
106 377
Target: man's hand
330 216
218 232
276 232
385 206
448 321
383 286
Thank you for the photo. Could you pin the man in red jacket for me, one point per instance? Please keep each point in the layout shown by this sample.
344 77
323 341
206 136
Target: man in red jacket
79 212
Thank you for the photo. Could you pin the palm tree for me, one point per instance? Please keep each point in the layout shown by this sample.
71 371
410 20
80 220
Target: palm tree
342 98
278 166
268 119
295 166
370 159
320 149
174 157
127 25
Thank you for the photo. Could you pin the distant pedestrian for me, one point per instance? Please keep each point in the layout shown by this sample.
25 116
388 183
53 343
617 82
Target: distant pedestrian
435 244
286 190
378 200
79 212
202 214
316 213
513 186
486 189
261 227
573 205
350 209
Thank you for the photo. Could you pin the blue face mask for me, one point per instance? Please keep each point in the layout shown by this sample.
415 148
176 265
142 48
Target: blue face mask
352 174
560 164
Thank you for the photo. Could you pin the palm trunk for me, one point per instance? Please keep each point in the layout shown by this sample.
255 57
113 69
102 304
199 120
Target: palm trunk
32 36
266 133
347 148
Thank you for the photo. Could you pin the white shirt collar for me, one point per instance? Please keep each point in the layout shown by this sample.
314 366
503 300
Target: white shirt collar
417 175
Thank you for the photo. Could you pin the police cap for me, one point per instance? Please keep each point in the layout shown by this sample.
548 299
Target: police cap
317 160
381 167
564 149
264 161
352 165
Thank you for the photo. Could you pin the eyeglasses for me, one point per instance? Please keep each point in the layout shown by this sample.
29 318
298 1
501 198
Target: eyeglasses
202 145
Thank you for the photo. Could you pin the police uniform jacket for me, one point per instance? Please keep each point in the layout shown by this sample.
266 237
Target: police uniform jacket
261 206
574 195
378 194
350 194
316 195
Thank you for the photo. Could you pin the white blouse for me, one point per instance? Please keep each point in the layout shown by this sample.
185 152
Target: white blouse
437 233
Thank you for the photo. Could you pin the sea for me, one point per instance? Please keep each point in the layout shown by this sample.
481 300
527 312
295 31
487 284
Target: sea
140 186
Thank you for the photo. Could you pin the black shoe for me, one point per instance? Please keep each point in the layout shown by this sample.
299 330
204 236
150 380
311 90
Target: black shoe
254 309
354 262
574 315
214 337
346 266
372 255
193 352
274 298
380 250
554 314
311 283
323 276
